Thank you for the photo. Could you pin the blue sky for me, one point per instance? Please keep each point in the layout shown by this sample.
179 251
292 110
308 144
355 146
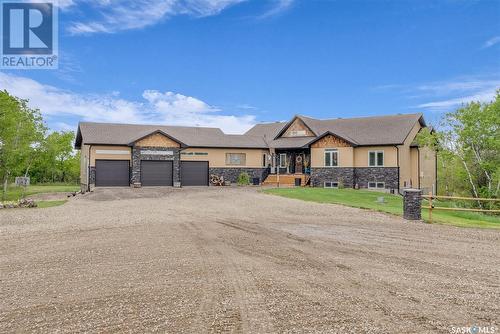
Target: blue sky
234 63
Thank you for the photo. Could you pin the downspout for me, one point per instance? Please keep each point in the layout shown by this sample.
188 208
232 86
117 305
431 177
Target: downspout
88 171
399 177
418 166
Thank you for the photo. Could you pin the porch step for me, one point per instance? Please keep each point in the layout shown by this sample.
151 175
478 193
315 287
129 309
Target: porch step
286 179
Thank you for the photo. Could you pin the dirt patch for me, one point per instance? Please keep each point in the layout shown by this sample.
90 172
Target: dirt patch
232 259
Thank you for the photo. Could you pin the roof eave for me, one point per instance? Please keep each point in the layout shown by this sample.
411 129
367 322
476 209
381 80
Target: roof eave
162 133
353 144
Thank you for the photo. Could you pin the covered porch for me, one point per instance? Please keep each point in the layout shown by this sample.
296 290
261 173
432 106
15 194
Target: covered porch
287 166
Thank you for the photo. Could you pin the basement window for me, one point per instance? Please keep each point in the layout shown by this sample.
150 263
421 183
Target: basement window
329 184
376 185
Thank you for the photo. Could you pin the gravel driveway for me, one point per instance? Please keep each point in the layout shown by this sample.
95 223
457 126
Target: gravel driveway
235 260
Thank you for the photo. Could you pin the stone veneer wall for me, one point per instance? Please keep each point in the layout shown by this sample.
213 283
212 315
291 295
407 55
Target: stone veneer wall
137 156
358 175
231 174
92 175
389 175
319 175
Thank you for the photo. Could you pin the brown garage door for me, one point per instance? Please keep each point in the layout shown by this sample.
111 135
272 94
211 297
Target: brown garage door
194 173
156 173
112 173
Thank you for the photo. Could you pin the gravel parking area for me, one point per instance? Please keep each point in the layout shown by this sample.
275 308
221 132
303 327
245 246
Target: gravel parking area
235 260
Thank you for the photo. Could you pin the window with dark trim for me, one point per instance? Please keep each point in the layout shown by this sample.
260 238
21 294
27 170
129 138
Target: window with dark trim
376 158
331 158
330 184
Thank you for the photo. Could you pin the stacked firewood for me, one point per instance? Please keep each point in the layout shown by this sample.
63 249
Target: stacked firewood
217 180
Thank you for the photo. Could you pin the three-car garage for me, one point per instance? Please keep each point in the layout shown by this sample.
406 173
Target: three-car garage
116 173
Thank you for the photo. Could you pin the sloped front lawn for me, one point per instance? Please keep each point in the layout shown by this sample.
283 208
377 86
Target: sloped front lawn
392 204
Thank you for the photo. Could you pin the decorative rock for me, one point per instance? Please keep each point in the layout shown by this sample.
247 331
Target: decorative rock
26 203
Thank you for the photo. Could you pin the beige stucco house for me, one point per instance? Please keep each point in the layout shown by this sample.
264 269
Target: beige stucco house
377 153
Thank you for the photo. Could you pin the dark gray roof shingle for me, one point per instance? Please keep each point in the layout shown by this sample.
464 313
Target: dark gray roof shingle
124 134
379 130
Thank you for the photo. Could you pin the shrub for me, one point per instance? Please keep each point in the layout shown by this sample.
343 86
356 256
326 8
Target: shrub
243 179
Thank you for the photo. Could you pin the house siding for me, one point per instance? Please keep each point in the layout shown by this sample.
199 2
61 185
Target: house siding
216 157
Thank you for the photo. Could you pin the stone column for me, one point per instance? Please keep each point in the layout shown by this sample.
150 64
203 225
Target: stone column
136 167
177 168
412 204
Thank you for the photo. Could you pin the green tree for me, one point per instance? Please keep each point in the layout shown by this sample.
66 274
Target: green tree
21 131
57 159
469 149
474 135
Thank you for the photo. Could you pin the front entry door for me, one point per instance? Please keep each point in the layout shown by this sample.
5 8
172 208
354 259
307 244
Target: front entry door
299 163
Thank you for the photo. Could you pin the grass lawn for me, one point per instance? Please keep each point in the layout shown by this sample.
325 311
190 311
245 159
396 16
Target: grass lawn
14 193
393 204
49 204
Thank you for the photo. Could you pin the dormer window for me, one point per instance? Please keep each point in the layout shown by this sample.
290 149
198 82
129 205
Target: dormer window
298 133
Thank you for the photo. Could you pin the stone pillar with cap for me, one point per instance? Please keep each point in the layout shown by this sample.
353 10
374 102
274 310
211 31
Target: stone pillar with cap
412 204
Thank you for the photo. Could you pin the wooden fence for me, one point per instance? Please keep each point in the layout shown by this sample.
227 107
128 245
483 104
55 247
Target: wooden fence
431 207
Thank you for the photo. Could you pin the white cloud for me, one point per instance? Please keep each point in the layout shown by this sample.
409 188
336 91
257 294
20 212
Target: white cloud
279 7
459 85
119 15
492 41
448 104
159 108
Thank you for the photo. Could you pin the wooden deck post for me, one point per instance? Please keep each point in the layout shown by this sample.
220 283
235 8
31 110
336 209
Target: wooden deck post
430 207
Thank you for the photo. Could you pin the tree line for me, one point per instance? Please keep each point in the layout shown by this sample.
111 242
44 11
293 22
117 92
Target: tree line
28 148
468 150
